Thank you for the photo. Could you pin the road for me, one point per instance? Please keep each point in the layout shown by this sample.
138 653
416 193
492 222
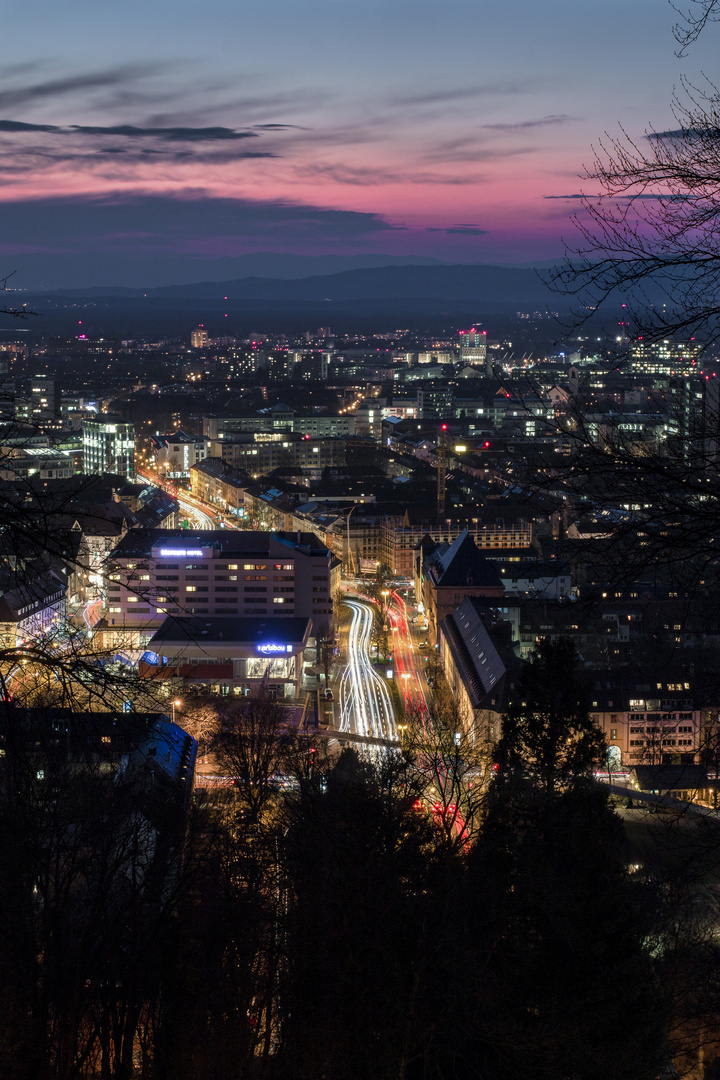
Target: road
365 705
407 662
92 612
199 517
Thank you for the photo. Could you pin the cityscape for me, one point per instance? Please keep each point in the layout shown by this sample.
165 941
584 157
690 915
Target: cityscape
359 569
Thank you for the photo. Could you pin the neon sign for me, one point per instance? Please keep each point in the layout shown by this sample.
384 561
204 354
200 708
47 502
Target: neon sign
274 649
186 553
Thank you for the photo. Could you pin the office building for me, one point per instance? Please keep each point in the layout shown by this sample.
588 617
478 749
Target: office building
109 446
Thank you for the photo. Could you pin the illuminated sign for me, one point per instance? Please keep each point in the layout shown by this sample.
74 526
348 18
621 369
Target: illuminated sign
185 553
269 650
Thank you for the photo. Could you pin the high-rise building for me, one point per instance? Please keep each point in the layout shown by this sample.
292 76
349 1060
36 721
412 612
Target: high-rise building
473 346
109 446
198 338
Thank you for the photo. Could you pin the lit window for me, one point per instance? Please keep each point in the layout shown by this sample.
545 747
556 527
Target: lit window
132 599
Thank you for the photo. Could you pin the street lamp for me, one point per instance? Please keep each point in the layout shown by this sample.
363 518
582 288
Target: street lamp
174 703
402 728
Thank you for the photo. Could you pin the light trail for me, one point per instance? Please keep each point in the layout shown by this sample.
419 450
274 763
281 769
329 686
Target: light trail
91 613
446 811
410 676
200 518
365 705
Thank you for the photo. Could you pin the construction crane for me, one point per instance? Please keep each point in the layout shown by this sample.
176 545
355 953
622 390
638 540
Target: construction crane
441 471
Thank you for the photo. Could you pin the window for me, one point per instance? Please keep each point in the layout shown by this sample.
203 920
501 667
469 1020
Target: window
115 610
278 599
196 566
284 566
251 566
190 588
132 599
256 588
613 733
144 577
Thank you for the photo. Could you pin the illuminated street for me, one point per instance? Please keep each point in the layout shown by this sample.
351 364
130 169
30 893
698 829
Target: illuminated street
197 519
409 674
365 705
202 519
93 612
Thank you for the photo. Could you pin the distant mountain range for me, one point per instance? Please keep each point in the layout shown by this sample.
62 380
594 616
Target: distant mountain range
48 272
418 297
471 283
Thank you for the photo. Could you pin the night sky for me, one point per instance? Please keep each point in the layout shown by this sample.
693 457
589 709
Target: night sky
170 134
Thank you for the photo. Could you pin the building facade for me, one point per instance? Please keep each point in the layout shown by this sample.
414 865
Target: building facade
154 573
109 446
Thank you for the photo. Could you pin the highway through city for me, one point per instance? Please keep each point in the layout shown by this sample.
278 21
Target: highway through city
365 704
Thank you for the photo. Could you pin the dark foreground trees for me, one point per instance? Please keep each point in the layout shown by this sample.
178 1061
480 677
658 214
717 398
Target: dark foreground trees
548 733
570 990
338 931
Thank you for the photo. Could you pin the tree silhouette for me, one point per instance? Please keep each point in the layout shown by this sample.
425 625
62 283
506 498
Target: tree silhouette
547 732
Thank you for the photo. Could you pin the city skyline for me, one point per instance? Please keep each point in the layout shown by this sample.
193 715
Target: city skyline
148 134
